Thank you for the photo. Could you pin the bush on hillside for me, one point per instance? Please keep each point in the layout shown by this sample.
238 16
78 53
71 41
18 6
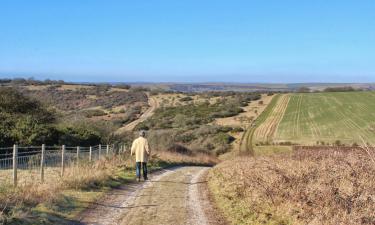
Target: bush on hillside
93 112
186 99
131 114
78 135
23 120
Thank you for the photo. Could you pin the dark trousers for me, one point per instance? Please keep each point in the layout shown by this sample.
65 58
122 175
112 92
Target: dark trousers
138 166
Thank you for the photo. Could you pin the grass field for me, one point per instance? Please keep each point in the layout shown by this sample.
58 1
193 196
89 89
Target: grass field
321 117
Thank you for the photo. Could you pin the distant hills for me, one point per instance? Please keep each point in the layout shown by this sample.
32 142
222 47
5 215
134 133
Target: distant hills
246 87
203 87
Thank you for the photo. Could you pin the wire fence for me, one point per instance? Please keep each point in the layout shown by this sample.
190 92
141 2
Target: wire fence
25 164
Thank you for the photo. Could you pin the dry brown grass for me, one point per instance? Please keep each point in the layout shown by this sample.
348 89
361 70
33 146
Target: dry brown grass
73 87
306 187
194 159
30 191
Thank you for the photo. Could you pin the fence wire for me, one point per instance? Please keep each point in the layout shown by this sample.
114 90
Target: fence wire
28 161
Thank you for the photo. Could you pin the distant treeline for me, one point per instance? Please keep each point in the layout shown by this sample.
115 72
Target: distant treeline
32 81
329 89
341 89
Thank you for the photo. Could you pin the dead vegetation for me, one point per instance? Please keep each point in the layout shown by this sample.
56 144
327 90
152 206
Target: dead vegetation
15 201
305 187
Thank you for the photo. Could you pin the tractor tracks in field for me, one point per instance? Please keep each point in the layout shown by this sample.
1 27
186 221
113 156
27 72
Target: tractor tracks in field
268 127
246 144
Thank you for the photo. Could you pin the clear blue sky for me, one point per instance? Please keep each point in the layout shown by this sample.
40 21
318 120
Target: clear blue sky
189 40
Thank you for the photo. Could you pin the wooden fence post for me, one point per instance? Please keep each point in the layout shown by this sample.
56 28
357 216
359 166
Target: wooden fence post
62 160
15 162
90 154
100 151
42 163
107 150
78 149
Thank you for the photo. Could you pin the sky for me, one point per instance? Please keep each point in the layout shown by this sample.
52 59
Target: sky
250 41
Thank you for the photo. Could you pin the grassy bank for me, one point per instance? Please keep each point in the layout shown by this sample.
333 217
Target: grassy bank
304 187
62 202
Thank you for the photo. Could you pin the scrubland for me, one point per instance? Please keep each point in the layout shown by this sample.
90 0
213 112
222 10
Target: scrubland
190 126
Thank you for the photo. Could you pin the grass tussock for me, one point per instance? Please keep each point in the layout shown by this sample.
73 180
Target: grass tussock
306 187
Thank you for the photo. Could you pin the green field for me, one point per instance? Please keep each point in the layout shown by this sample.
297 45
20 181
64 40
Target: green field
327 117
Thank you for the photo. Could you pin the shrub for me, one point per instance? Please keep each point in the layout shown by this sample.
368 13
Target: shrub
131 114
93 112
177 148
23 120
78 135
186 99
238 129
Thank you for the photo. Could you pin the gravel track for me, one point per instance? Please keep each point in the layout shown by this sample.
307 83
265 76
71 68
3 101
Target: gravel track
171 196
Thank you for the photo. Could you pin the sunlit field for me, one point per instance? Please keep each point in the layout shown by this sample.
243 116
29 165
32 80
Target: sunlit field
321 118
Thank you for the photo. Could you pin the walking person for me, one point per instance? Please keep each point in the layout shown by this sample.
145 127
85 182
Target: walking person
141 149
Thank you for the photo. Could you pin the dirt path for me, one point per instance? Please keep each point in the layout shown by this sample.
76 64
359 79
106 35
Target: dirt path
153 103
170 197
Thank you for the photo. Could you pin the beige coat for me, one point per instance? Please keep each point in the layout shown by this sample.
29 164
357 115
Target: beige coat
141 149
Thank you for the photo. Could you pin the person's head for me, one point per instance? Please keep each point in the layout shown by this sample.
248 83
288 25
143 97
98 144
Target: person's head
142 133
